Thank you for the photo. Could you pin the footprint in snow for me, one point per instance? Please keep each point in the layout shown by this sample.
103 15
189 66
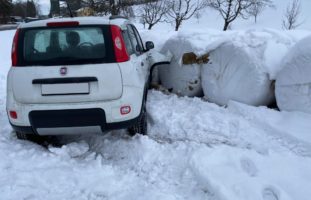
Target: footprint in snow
249 167
270 193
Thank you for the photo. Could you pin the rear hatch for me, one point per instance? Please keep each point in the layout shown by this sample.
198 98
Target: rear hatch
71 63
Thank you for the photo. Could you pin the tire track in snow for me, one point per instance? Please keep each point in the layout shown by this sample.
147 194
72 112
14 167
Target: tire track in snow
164 167
289 142
294 145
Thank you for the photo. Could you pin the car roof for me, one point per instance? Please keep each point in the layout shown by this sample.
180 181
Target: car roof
115 20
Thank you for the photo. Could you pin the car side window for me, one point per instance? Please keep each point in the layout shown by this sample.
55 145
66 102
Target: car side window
135 43
128 42
140 42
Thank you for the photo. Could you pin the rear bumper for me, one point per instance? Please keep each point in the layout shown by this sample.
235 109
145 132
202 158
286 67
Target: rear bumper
71 119
132 96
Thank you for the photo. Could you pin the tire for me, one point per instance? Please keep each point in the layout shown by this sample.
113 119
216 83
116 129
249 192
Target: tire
31 137
21 136
141 126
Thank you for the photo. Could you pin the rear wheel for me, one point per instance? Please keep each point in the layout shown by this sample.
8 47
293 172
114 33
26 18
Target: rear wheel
21 136
141 126
31 137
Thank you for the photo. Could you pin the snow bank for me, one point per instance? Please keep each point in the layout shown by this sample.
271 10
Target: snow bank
293 83
6 39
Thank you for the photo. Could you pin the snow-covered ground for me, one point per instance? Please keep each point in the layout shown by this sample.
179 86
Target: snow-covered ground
195 150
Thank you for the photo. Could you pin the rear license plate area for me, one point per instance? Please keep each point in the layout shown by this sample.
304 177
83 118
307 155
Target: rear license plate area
67 118
65 89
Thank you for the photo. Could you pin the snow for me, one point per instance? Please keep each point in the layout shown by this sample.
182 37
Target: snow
272 45
233 73
181 79
194 150
296 64
217 153
237 174
269 18
293 83
253 60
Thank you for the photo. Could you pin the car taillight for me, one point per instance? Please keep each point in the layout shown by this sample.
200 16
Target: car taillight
119 45
14 55
62 24
13 114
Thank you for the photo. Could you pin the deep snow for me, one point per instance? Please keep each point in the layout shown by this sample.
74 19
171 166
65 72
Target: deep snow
195 150
294 79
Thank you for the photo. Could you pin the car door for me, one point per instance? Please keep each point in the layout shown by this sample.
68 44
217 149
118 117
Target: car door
139 56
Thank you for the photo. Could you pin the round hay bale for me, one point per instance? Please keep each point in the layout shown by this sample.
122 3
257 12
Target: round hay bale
183 75
235 73
293 83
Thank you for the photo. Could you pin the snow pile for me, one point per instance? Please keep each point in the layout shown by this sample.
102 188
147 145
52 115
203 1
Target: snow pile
6 39
242 68
293 83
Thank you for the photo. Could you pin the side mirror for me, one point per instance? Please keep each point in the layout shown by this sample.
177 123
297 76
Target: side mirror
149 45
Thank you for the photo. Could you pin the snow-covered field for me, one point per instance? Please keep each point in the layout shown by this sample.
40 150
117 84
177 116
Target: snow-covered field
195 150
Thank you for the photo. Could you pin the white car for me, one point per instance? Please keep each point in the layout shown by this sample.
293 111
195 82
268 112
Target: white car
79 75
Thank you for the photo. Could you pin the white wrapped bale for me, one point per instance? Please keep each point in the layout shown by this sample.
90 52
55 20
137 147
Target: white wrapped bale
180 79
293 83
236 72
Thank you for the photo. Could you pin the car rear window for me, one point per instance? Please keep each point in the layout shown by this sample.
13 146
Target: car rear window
66 46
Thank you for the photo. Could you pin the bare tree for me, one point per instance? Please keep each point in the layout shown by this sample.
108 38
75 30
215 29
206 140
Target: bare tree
182 10
5 10
128 11
114 7
117 6
24 9
153 12
291 20
258 6
230 10
198 16
100 7
105 7
55 8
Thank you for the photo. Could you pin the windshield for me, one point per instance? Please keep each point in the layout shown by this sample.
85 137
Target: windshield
65 46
